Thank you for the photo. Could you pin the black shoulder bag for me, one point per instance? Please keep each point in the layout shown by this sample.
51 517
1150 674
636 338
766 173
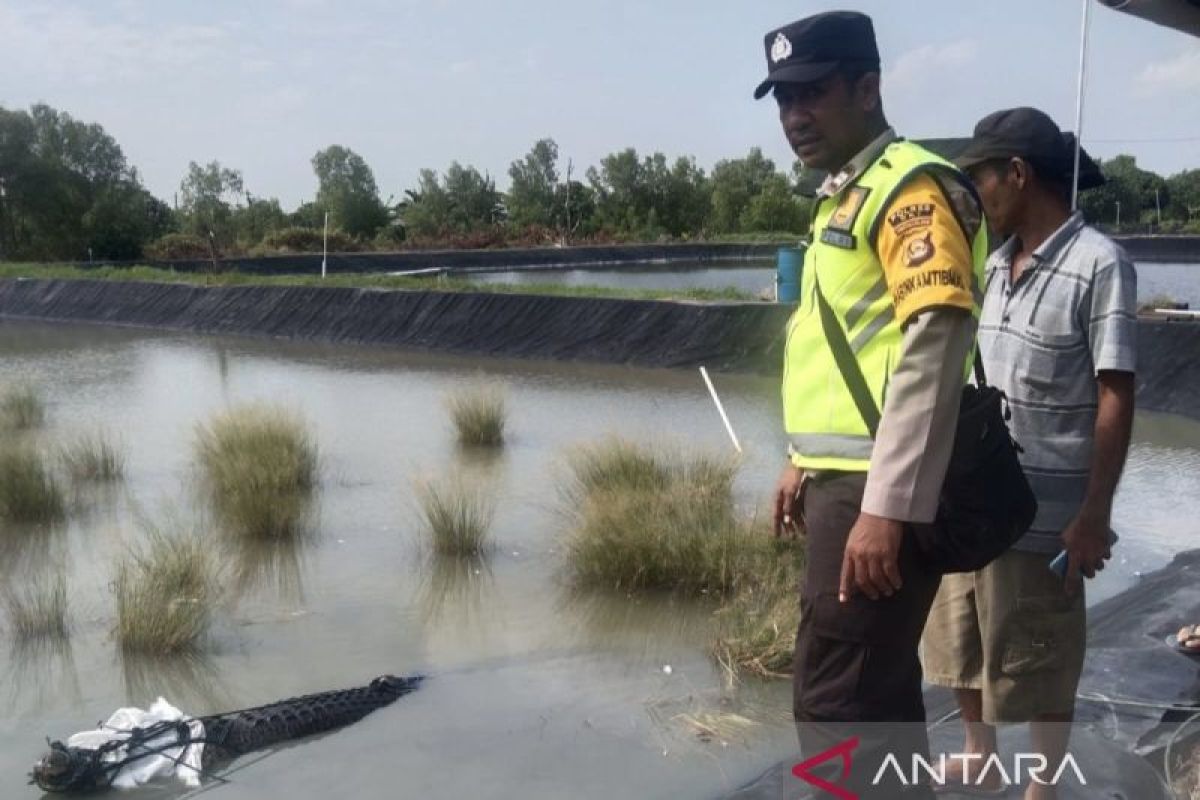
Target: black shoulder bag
986 503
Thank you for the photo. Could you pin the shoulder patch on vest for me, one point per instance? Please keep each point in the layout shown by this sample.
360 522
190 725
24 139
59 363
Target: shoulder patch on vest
920 250
847 211
911 218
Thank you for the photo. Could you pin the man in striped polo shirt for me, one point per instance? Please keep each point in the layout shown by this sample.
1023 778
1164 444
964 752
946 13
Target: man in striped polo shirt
1058 336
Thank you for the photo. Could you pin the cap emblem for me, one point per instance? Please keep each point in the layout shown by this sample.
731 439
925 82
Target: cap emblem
781 49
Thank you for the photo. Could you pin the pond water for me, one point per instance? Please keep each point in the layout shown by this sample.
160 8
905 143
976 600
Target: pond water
1179 281
535 691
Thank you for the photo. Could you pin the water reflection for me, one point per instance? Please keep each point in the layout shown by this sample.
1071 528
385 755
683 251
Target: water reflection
29 551
96 503
189 681
276 564
456 590
644 625
42 674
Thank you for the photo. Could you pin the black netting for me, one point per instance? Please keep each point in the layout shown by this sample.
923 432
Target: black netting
240 732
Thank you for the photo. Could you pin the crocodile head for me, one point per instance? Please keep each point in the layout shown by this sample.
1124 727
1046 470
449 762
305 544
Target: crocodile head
61 769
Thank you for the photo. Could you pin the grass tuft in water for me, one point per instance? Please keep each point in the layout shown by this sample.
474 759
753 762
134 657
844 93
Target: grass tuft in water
21 409
260 466
28 490
92 458
457 517
38 612
756 625
619 465
647 518
479 414
164 593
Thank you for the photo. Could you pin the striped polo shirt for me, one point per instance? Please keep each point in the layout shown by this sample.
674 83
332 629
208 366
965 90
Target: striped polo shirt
1043 339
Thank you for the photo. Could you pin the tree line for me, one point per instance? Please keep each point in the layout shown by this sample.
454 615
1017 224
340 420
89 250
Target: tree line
67 192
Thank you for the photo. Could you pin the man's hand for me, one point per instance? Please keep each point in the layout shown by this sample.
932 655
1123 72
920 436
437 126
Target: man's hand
1087 545
788 502
872 560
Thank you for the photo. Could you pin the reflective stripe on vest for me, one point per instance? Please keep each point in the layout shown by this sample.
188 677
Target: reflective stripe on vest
832 445
824 426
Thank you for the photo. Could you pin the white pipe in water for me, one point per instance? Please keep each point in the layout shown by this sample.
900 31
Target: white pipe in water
720 408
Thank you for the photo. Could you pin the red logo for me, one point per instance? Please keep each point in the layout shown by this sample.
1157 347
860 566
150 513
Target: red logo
845 751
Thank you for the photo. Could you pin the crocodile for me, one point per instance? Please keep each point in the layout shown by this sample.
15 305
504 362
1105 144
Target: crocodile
225 736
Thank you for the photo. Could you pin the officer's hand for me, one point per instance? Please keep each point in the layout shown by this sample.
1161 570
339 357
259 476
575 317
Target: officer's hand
872 560
788 506
1087 546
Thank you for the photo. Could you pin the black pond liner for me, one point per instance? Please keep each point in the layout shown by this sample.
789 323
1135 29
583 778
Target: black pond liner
744 337
1138 695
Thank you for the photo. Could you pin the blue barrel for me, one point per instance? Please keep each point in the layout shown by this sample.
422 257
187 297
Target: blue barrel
789 265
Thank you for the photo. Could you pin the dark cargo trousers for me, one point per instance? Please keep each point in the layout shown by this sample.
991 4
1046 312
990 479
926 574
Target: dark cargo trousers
857 673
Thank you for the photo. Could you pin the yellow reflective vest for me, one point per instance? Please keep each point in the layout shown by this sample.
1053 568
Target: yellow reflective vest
825 428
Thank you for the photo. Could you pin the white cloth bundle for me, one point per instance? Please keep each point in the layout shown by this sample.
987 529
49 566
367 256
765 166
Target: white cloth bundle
181 762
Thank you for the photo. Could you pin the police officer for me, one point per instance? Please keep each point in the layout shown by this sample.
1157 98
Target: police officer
876 356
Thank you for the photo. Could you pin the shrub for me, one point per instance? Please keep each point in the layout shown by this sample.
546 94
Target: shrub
1158 301
307 240
178 247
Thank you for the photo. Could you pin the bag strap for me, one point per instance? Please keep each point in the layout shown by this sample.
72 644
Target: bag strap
847 364
851 370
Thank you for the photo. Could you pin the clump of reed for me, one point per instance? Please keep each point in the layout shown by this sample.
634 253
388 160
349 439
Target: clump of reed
92 458
38 612
29 491
457 517
21 409
164 592
479 414
755 631
645 517
259 464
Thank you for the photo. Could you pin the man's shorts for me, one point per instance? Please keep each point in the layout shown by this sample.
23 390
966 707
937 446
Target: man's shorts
1011 631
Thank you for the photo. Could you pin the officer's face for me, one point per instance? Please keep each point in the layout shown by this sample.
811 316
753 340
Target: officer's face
826 121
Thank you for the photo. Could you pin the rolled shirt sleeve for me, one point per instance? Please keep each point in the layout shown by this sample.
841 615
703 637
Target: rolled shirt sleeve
920 415
1112 326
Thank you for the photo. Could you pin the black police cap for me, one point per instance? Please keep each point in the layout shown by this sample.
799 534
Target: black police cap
1029 134
812 48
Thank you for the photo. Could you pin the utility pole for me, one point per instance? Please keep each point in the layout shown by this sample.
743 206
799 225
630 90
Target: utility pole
1083 43
1158 208
325 246
567 203
212 251
1118 216
3 212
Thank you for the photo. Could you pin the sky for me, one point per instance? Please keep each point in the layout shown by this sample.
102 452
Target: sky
261 85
